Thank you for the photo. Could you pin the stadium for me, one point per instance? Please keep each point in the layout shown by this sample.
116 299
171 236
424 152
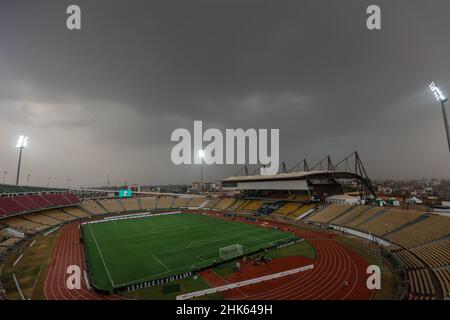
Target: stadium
262 237
225 155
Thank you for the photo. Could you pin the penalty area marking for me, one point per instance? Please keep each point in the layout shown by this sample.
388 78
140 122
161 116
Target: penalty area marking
160 262
200 258
101 256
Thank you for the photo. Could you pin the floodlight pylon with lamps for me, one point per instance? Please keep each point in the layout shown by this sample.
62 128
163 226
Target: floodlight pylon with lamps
442 99
22 143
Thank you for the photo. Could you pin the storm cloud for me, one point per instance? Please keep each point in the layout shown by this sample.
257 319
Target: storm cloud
104 100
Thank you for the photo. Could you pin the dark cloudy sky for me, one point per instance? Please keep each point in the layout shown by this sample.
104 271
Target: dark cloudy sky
104 100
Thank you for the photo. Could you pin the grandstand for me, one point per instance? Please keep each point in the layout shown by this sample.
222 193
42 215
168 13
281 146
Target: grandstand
130 204
111 205
12 205
197 201
148 203
212 203
252 205
164 202
43 219
76 212
236 204
181 202
13 189
92 207
24 225
432 227
224 203
419 240
6 244
58 215
302 210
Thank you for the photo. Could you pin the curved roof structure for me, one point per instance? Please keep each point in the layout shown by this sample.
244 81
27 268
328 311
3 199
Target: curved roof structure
299 175
292 180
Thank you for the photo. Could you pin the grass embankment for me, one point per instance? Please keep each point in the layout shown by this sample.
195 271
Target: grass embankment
31 270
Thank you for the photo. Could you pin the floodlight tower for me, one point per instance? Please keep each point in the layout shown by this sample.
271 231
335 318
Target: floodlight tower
442 99
201 154
22 143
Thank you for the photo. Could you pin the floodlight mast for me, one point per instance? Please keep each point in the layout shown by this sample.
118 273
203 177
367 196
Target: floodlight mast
442 99
22 143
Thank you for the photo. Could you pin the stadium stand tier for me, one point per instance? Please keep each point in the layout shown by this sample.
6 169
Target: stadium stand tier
301 211
42 219
148 203
236 204
165 202
431 228
9 189
28 203
21 224
252 205
388 221
224 203
130 204
181 202
197 201
58 215
93 207
212 203
8 244
419 240
76 212
111 205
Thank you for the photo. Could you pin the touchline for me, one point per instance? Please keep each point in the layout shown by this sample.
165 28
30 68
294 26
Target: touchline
251 140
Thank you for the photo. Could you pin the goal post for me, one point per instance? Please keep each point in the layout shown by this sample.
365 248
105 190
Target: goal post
231 252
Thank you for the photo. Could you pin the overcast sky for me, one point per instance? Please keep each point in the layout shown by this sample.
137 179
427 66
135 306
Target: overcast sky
104 100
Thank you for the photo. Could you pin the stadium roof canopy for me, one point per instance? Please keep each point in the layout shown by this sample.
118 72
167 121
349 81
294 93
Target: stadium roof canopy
299 180
350 168
300 175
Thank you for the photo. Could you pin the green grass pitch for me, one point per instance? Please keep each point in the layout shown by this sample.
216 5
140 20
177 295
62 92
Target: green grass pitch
123 252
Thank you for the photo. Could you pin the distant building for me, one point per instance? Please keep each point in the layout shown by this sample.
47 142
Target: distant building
379 202
342 199
413 200
196 185
393 202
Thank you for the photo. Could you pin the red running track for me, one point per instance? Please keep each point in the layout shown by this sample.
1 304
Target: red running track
69 251
338 274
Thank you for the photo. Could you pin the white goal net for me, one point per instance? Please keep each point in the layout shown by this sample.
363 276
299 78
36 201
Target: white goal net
231 252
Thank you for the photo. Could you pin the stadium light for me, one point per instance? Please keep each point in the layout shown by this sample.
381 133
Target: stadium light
437 92
201 154
22 143
442 99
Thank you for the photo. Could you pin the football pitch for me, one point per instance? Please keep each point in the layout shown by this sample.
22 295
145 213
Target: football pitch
130 251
